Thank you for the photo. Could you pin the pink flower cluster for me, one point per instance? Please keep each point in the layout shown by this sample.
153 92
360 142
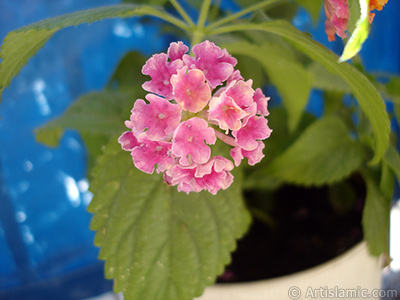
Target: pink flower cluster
337 16
193 102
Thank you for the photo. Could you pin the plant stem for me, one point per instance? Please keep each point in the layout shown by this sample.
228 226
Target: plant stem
226 139
214 10
245 11
203 14
182 12
197 37
171 19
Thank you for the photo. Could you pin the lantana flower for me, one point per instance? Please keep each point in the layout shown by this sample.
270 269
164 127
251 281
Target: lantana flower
195 102
337 16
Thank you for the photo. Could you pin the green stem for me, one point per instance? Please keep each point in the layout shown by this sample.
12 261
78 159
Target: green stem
245 12
233 28
182 12
214 10
171 19
226 139
203 13
197 37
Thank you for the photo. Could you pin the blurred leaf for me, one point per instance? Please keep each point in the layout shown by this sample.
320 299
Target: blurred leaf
333 102
250 68
313 7
20 45
128 75
376 218
386 184
283 70
367 95
354 14
325 80
49 135
284 11
97 116
323 154
391 90
392 158
159 243
360 12
342 197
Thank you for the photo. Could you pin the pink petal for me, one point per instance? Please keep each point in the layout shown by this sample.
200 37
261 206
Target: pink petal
262 102
212 176
160 71
237 155
341 8
254 156
235 76
226 112
216 64
242 93
255 129
128 141
190 89
188 141
337 16
149 153
217 176
184 178
226 57
177 50
160 117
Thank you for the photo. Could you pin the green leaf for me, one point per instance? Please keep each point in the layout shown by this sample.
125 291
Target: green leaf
283 70
392 159
313 7
386 184
360 32
97 116
128 75
375 218
367 95
342 196
354 14
250 68
159 243
325 80
20 45
323 154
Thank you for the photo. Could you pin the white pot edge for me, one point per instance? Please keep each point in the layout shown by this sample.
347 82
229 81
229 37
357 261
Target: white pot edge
355 271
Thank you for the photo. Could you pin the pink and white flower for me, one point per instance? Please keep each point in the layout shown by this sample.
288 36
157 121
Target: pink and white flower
188 141
159 117
212 176
216 64
185 113
190 89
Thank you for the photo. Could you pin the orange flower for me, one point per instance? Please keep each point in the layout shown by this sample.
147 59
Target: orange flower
377 4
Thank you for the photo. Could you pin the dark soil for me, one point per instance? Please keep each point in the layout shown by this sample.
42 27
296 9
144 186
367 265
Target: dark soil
307 231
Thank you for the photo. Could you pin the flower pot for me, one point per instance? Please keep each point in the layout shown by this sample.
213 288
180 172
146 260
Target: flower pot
352 275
